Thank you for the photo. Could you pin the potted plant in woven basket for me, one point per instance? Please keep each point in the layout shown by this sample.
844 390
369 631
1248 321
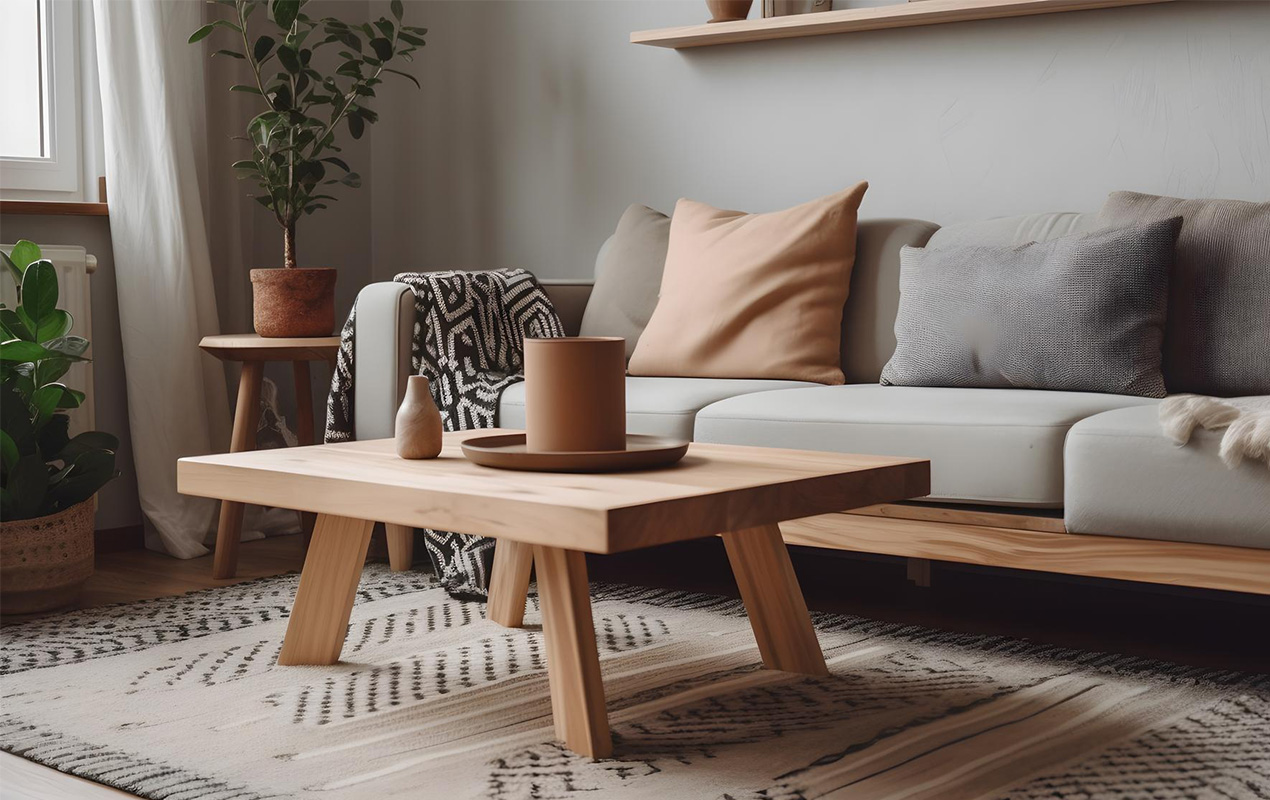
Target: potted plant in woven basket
47 477
293 149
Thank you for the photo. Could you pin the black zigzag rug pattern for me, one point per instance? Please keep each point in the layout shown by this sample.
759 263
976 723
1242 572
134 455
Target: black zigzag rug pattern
182 698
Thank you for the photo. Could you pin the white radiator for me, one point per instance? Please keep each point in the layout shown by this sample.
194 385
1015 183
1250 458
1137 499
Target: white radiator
74 266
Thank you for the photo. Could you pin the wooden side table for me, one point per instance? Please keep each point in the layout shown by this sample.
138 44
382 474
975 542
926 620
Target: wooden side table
253 351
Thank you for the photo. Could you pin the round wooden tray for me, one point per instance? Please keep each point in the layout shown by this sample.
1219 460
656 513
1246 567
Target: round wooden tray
507 451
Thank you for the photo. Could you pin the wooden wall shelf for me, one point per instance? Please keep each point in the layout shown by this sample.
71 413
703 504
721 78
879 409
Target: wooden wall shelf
900 15
54 207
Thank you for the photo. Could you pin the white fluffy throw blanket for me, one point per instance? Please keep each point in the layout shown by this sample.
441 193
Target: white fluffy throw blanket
1246 420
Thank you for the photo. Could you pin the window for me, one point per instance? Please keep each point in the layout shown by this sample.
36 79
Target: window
39 141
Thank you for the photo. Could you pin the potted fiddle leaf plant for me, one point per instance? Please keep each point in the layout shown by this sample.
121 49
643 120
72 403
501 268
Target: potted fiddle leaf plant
47 477
307 101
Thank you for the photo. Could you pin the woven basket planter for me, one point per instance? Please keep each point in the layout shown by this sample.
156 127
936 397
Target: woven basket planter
45 561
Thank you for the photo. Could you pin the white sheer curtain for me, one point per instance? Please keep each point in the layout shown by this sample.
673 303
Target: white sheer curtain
153 112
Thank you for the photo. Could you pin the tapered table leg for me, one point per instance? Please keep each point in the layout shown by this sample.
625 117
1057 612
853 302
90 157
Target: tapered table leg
573 664
328 586
509 586
778 613
246 418
401 546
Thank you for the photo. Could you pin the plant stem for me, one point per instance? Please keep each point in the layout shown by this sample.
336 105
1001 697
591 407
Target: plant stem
288 245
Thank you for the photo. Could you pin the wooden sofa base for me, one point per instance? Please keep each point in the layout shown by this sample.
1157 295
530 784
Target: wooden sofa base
945 535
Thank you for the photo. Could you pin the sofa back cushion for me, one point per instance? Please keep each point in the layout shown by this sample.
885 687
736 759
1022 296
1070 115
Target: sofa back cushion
628 276
868 323
1013 231
754 295
1217 339
1079 313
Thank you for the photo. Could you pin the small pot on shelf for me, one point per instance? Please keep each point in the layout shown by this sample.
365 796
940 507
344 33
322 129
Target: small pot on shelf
293 302
728 10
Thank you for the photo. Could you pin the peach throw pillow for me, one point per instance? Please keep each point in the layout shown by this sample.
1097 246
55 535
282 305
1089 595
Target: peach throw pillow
753 295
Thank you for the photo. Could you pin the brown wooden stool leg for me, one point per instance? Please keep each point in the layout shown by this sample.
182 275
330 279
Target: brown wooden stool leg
509 585
774 601
573 664
246 418
401 546
328 587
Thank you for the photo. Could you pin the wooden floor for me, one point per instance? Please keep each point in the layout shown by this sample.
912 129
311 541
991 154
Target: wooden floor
1203 628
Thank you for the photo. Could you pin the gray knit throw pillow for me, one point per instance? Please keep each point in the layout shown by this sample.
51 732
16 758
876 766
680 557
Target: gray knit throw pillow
1081 313
1217 338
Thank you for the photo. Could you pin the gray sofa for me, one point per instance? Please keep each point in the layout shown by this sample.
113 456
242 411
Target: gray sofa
1067 482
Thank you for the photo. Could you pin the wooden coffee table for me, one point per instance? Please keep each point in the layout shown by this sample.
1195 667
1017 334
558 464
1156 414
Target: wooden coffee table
553 520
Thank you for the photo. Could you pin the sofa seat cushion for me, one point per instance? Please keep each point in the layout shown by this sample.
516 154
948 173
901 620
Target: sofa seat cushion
993 446
657 406
1125 478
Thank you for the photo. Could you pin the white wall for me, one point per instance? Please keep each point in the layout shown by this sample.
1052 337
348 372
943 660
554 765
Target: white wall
538 122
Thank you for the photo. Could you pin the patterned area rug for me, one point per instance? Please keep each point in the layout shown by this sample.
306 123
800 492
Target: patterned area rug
180 698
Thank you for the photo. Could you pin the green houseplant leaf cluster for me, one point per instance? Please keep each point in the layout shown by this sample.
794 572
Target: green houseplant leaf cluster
43 470
293 149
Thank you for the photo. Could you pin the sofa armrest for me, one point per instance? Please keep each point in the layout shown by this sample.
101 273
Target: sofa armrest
381 356
570 297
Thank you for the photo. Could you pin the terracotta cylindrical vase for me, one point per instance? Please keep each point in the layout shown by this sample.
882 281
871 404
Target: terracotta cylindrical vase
293 302
575 394
417 430
45 561
728 10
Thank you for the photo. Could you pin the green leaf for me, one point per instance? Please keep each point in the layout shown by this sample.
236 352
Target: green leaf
262 47
20 351
411 38
44 401
201 34
352 180
11 268
72 347
284 12
28 483
289 59
8 451
50 369
71 398
356 127
24 254
89 472
382 48
55 324
397 9
412 78
39 290
15 325
52 438
385 27
230 53
238 87
339 162
86 441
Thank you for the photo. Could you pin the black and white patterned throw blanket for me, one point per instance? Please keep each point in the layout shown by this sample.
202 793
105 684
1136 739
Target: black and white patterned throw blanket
468 341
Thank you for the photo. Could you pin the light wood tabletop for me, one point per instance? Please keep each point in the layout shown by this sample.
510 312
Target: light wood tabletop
715 488
550 521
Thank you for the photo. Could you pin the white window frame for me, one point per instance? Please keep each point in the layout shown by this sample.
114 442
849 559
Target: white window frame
57 176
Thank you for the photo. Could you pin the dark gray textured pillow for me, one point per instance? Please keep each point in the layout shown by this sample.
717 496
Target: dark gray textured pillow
628 277
1081 313
1217 337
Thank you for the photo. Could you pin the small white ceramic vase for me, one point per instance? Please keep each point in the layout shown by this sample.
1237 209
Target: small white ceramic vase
418 425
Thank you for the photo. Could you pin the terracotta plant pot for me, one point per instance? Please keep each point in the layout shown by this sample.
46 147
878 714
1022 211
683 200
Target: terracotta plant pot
293 302
45 561
575 394
728 10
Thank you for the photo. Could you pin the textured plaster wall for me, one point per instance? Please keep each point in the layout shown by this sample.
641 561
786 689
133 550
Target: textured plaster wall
538 122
